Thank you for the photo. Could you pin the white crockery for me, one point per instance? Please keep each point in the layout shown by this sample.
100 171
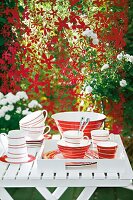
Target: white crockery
34 118
34 134
99 136
17 149
74 137
83 143
34 129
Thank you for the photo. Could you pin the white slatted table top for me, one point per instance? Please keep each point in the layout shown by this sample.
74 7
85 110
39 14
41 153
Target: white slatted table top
28 175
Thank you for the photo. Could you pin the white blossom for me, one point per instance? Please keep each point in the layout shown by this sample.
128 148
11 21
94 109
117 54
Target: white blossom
95 41
88 89
22 95
10 107
34 104
18 110
7 117
119 56
127 57
4 108
94 36
105 66
11 98
131 59
3 101
25 112
1 95
88 32
2 113
123 83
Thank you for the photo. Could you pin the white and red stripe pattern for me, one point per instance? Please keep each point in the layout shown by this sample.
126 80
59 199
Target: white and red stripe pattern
75 151
17 148
107 149
33 124
74 137
34 118
71 121
99 136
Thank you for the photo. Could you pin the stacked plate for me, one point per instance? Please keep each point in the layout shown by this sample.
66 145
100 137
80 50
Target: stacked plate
73 152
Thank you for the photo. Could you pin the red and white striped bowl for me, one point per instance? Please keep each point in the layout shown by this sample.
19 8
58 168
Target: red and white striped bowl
71 121
107 149
73 152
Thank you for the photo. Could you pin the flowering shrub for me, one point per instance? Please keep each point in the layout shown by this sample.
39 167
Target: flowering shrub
14 107
62 50
112 83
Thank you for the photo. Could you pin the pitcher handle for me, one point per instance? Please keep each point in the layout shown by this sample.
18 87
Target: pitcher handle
4 141
45 114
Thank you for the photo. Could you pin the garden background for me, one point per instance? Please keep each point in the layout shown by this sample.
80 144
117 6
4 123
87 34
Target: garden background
67 55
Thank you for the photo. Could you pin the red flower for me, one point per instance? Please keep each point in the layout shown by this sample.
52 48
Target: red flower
35 83
46 60
73 2
116 129
62 23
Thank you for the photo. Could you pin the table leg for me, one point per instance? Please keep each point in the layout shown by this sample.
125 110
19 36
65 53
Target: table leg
86 193
58 192
4 195
51 196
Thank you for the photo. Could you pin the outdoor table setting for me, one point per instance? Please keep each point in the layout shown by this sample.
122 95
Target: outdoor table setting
82 154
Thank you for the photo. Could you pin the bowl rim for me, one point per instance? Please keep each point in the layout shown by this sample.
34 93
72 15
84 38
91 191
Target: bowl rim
58 116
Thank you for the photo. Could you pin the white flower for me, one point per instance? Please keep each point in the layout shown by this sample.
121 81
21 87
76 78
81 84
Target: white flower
22 95
94 36
123 83
11 98
25 112
7 117
10 107
4 109
88 32
95 41
127 57
18 110
119 56
34 104
3 101
1 95
88 89
131 59
105 66
2 113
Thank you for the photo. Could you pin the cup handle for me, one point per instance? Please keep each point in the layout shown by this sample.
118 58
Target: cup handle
46 127
45 114
4 141
86 137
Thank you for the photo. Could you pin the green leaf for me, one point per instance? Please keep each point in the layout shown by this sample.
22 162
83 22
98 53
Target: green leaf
1 40
130 88
3 20
21 9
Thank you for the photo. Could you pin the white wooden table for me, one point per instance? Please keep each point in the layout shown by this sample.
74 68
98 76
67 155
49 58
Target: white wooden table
28 175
